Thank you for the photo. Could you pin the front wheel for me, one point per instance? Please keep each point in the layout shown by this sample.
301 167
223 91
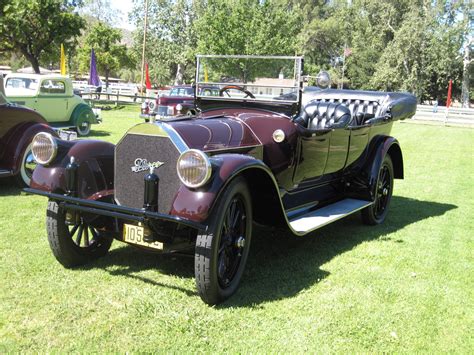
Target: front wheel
76 243
83 128
377 211
221 252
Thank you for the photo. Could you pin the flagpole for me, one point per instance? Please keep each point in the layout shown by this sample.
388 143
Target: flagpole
144 44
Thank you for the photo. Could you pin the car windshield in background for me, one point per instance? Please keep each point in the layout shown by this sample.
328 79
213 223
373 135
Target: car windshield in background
250 77
23 86
182 92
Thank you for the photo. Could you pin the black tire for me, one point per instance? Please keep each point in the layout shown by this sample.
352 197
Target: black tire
66 241
222 252
376 212
83 129
27 165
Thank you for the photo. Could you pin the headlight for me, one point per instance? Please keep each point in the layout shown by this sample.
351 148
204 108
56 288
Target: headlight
170 110
44 148
194 168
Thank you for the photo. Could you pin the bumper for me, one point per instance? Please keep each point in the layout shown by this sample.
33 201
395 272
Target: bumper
114 211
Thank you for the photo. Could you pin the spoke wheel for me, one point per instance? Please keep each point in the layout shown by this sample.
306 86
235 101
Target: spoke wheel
376 213
221 252
74 244
232 242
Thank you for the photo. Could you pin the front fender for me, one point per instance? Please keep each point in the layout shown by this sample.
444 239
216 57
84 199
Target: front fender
23 138
95 173
82 113
197 204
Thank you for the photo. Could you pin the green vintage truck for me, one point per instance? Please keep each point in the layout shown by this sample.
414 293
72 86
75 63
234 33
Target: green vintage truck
53 97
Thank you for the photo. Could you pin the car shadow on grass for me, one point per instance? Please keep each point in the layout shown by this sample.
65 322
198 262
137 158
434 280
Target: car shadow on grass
282 266
98 133
8 187
279 265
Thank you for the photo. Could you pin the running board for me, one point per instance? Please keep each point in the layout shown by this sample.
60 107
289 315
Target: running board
4 173
325 215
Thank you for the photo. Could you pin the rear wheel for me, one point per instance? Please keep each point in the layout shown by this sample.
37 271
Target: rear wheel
83 128
221 252
74 244
376 212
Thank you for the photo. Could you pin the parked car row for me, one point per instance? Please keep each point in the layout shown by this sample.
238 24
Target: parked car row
198 181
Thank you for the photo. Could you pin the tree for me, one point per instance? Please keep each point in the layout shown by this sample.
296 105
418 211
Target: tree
171 38
36 28
247 27
110 54
423 55
468 19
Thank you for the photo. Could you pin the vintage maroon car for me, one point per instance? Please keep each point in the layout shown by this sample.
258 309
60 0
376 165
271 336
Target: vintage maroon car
180 101
252 154
18 126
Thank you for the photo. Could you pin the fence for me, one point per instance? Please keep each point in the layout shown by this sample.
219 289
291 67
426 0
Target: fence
453 115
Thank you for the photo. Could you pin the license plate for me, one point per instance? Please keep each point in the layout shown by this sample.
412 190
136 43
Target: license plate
134 234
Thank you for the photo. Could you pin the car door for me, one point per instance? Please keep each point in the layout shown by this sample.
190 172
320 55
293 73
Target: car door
52 101
358 142
338 148
313 154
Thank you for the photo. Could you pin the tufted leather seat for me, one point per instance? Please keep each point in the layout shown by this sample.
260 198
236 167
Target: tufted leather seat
322 115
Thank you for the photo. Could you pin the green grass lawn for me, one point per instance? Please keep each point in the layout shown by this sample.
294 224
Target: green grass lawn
404 286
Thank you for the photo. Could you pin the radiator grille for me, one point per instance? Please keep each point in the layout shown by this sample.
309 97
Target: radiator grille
129 187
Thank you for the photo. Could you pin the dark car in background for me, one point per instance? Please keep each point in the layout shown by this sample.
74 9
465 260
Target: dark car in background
196 183
18 126
179 101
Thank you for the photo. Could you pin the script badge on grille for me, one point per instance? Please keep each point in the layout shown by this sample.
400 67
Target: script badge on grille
143 164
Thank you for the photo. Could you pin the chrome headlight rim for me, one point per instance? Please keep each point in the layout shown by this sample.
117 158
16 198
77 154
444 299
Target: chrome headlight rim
54 146
208 168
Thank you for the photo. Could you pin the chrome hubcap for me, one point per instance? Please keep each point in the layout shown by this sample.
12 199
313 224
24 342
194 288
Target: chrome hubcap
30 164
240 243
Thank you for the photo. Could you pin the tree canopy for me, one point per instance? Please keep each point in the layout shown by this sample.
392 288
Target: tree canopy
36 28
110 54
411 45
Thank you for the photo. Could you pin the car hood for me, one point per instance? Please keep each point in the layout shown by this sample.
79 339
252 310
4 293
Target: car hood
217 133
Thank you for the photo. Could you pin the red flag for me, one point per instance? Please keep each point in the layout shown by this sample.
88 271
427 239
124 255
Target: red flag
448 101
147 78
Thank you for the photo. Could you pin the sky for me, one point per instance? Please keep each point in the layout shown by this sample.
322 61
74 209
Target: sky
124 6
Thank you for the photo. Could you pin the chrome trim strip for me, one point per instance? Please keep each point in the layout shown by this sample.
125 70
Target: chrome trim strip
174 136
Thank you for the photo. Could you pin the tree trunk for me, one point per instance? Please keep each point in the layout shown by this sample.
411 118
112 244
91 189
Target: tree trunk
33 60
465 74
466 60
179 76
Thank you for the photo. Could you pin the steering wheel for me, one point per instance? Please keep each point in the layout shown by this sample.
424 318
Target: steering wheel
236 87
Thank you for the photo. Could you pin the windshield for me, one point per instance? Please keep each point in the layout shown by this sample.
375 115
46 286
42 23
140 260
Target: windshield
181 92
256 78
21 86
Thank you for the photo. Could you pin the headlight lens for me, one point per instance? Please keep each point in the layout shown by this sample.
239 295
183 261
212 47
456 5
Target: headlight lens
194 168
44 148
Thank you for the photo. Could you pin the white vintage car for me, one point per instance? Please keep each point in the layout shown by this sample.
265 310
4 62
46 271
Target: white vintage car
53 97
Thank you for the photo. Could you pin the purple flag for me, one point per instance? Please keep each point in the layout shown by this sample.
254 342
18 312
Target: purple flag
93 75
